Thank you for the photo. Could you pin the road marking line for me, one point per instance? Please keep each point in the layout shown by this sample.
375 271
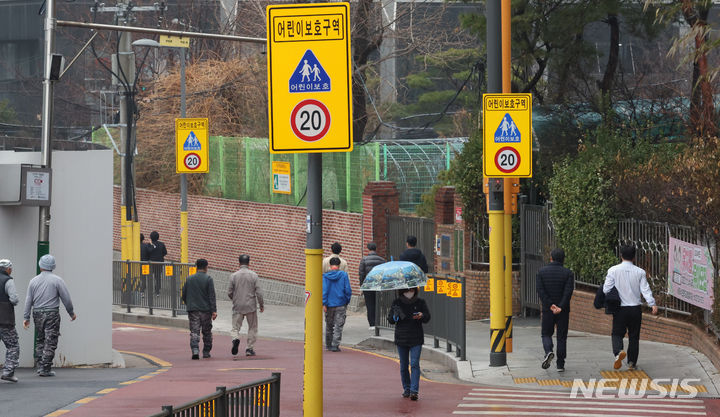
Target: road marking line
565 408
250 369
513 390
154 359
106 391
142 326
542 413
601 401
145 376
85 400
129 382
57 413
489 394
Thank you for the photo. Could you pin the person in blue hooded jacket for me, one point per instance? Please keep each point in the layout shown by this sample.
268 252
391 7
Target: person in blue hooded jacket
336 297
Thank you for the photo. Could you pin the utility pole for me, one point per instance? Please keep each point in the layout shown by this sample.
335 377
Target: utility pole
508 186
43 244
183 177
495 198
125 77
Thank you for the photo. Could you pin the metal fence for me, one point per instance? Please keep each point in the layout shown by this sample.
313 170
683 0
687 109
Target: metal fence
445 298
537 237
256 399
652 240
399 227
151 285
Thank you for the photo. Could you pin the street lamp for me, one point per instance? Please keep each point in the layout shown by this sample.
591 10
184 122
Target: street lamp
150 43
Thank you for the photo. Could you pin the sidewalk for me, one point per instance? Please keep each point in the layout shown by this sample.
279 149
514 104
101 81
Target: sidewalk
589 355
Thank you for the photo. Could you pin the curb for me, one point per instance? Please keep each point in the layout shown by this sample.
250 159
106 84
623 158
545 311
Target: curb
461 369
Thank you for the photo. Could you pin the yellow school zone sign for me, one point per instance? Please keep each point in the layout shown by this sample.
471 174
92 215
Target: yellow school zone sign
309 78
191 145
507 134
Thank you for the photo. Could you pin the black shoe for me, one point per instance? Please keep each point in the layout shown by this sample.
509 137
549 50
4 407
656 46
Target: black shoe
414 396
9 377
195 354
406 393
206 355
236 344
334 349
47 373
548 360
249 352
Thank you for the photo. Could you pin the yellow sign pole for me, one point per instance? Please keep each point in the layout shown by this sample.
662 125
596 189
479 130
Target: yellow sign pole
497 276
124 239
507 196
313 377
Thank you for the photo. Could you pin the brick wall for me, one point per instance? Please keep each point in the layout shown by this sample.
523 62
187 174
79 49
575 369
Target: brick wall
584 317
221 229
477 292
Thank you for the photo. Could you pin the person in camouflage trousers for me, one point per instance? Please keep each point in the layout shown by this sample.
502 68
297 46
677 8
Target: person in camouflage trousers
8 334
44 295
198 294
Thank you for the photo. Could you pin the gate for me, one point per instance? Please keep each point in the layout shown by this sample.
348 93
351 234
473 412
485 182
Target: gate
399 227
537 238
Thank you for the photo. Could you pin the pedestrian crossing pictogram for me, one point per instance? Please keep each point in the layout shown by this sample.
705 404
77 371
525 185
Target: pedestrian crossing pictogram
509 402
507 131
192 143
309 76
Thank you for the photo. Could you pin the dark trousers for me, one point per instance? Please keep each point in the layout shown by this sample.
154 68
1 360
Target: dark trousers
200 323
370 304
627 319
47 332
549 321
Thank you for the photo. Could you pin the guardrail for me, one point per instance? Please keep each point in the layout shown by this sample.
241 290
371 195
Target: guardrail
150 285
256 399
445 297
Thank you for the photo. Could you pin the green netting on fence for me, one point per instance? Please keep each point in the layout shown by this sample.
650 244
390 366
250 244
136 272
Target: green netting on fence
240 168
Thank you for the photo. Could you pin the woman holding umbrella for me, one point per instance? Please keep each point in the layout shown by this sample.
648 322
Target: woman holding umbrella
408 313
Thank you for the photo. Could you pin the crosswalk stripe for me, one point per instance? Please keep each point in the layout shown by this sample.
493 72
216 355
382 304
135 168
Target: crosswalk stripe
644 403
508 413
566 408
567 396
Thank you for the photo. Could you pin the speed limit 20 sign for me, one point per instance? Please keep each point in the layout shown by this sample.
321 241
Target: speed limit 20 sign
191 145
507 134
309 78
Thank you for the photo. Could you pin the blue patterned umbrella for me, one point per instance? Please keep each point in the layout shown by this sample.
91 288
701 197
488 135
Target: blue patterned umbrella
395 275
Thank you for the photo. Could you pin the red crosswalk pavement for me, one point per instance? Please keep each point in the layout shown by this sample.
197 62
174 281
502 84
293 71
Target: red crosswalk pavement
514 402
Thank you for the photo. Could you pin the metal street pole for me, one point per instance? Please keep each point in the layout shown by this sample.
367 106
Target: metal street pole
313 380
508 186
125 59
183 176
43 244
495 199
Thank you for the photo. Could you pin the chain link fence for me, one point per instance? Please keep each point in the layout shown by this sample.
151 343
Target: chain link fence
241 169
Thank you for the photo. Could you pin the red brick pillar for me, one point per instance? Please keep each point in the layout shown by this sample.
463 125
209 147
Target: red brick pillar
380 200
445 205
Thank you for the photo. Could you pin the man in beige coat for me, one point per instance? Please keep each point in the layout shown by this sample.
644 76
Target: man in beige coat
336 248
244 291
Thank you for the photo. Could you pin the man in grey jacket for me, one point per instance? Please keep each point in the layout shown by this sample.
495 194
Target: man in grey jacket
44 295
198 294
366 265
8 334
244 291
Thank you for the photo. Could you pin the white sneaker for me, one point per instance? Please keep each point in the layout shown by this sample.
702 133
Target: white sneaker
618 359
371 328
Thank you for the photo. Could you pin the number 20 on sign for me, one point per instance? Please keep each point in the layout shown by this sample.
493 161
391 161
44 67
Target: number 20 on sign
507 134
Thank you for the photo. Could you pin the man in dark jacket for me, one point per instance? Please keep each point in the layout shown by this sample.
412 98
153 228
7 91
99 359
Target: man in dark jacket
157 253
555 285
414 255
366 265
198 294
336 297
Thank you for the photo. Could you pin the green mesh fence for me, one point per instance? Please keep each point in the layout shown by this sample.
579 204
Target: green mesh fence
240 168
